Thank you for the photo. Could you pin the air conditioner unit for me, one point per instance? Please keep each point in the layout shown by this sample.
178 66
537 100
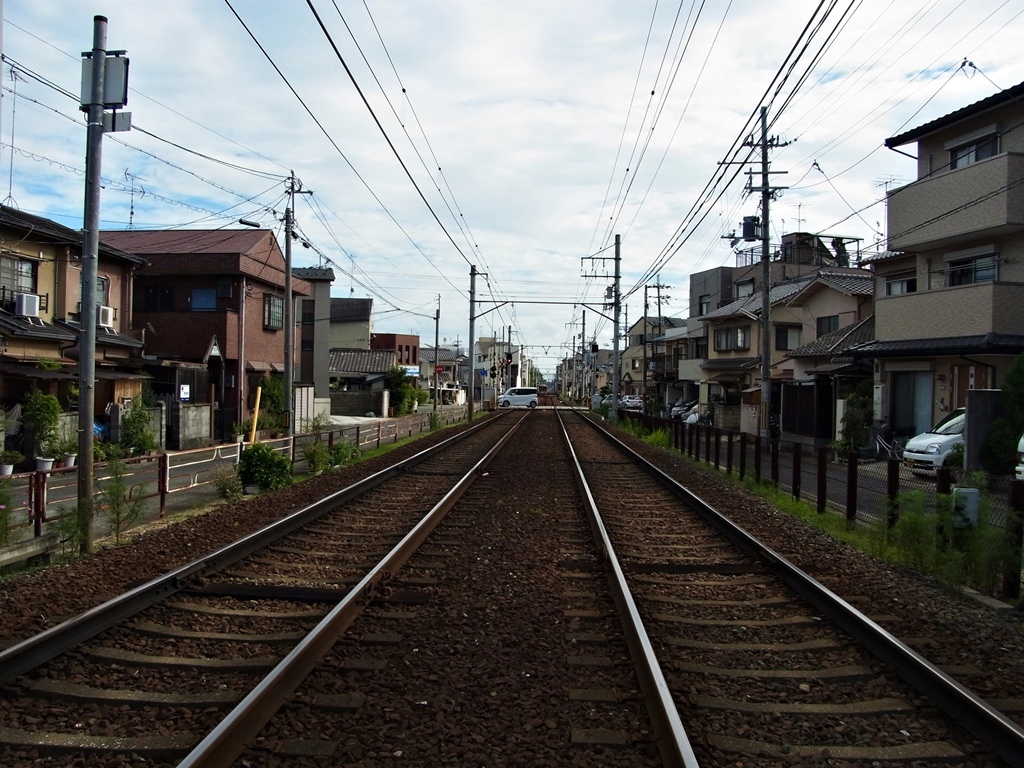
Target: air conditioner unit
26 305
105 316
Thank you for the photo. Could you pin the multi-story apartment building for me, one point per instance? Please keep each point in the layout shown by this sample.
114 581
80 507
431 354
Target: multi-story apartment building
950 289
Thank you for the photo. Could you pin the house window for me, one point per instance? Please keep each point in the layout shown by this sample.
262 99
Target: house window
704 304
827 325
967 154
225 286
158 298
17 276
732 339
700 349
787 337
745 288
273 312
102 290
896 285
634 364
204 299
981 269
306 345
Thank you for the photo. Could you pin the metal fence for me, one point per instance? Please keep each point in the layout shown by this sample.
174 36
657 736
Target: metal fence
866 489
41 500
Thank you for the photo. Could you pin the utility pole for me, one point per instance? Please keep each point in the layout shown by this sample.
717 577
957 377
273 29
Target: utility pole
583 358
616 360
294 186
437 327
766 191
104 84
644 329
472 340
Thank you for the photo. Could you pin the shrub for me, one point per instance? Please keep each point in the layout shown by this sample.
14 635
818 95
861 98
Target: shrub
225 479
317 457
344 453
262 466
136 436
42 414
6 504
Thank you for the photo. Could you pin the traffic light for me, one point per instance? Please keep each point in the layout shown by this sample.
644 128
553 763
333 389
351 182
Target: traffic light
494 372
508 358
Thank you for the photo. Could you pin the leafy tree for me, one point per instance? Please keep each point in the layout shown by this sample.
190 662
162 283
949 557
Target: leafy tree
998 454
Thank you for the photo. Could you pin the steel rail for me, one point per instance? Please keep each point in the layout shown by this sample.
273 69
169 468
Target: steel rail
225 743
38 649
673 743
990 726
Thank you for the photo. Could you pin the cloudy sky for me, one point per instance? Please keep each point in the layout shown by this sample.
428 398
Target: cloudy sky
518 137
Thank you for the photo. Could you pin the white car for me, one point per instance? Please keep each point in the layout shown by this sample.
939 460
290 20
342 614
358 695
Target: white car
519 396
923 453
631 402
1020 459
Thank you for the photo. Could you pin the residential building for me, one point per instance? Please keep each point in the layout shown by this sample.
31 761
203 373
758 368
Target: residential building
949 291
315 330
801 309
443 367
406 347
226 287
40 305
351 323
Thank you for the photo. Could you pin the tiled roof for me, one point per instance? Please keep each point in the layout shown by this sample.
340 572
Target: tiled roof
838 341
989 343
1010 94
853 284
103 335
11 217
32 328
444 354
351 310
180 241
359 361
751 305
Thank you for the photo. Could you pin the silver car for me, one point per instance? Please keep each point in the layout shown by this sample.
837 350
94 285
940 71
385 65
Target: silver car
923 453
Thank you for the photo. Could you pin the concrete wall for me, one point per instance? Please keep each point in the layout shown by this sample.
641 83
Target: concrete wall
189 425
360 403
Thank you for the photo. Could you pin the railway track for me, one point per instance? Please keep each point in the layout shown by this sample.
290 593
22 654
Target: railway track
491 635
146 675
762 660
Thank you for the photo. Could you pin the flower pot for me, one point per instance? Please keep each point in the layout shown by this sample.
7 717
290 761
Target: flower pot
6 469
43 463
70 459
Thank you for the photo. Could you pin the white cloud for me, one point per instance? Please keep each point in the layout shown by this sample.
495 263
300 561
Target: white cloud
523 105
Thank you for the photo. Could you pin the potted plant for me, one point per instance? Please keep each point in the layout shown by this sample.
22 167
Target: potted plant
8 459
42 415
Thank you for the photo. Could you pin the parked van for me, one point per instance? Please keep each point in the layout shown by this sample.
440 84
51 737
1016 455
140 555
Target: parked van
519 396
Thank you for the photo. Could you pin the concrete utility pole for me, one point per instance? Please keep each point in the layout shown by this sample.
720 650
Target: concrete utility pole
473 373
294 186
616 359
437 328
766 191
104 84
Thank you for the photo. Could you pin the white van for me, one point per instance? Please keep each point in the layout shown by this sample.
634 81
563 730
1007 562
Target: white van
923 453
519 396
1020 459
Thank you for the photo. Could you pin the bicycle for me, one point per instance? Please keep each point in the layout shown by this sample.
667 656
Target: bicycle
889 445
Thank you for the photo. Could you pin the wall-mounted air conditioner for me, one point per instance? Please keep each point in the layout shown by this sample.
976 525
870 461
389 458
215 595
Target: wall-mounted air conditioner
105 316
26 305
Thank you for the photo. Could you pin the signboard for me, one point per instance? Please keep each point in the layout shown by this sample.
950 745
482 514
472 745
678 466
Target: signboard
439 369
184 392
